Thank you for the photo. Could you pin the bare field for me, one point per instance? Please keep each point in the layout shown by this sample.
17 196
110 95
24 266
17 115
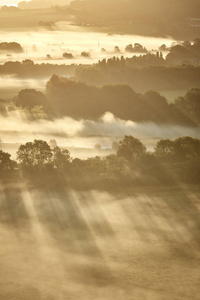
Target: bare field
66 244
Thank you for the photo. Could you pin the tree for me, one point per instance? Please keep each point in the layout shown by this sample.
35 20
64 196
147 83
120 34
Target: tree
96 164
34 154
187 148
11 47
164 149
29 98
116 165
5 162
189 106
61 158
131 148
68 55
137 48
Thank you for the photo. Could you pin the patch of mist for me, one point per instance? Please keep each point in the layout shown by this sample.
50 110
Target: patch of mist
38 44
16 128
12 82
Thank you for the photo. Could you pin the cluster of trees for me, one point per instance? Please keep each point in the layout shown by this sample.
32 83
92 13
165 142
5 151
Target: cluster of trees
6 163
172 161
78 100
65 97
38 154
137 48
186 52
30 98
29 69
11 47
145 72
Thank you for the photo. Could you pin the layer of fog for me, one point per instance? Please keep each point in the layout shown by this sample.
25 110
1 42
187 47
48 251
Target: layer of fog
86 133
72 39
12 82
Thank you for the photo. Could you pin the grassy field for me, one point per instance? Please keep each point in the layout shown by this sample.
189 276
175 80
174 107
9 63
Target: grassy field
130 244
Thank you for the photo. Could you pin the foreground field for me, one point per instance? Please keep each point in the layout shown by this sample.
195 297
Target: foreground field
141 244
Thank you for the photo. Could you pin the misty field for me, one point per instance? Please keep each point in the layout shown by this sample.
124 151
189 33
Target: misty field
99 150
127 244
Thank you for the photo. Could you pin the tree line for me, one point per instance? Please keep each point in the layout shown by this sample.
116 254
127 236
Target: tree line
64 97
28 69
150 71
79 100
171 162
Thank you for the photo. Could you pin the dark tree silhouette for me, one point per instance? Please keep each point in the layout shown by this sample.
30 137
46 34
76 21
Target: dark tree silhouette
137 48
181 149
61 158
12 47
186 148
116 165
131 149
5 161
30 98
165 149
34 154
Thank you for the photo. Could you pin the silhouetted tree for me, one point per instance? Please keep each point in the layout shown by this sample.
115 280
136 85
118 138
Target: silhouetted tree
131 148
165 149
116 165
13 47
138 48
34 154
186 148
30 98
181 149
61 158
68 55
188 107
5 161
86 54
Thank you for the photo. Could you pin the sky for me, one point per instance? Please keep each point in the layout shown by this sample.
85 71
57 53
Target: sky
15 2
9 2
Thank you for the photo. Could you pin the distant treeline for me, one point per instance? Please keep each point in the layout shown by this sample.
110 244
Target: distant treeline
171 162
142 73
181 57
11 47
28 69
